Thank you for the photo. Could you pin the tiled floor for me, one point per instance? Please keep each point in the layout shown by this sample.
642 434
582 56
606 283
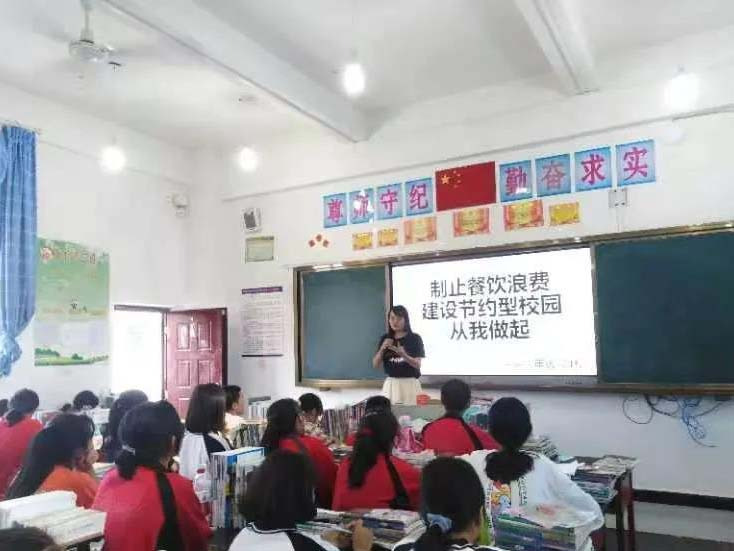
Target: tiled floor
656 542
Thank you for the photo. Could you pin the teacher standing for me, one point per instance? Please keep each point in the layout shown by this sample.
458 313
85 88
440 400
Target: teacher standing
400 354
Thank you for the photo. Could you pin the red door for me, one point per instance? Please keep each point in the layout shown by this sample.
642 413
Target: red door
196 353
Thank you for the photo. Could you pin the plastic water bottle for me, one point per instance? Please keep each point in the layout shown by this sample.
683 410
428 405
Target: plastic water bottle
203 485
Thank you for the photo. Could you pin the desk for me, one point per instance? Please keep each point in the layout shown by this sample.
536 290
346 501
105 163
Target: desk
623 502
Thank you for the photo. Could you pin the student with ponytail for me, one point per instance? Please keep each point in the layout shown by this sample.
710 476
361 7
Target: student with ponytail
61 457
285 430
149 507
450 434
452 508
514 478
372 478
17 429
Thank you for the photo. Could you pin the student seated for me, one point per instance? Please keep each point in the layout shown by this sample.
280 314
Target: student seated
285 430
148 507
372 478
513 478
373 403
84 400
61 457
17 429
26 539
124 403
453 504
204 427
235 404
313 410
280 496
450 434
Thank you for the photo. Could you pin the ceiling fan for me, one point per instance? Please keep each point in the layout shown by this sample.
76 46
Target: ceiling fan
86 49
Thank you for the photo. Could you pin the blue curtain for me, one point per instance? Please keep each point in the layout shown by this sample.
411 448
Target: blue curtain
17 239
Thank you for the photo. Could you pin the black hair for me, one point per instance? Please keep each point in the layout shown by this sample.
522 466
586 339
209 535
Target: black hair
232 395
146 435
3 407
401 312
455 396
124 403
281 422
510 426
85 399
58 444
207 407
451 488
26 539
311 402
280 493
377 403
23 403
376 434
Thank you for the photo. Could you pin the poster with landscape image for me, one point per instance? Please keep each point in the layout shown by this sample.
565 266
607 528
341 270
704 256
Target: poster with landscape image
72 304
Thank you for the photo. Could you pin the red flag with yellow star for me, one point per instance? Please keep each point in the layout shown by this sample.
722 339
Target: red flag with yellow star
466 186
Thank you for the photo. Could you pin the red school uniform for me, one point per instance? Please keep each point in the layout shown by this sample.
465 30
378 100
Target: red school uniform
14 442
448 436
135 512
377 490
323 461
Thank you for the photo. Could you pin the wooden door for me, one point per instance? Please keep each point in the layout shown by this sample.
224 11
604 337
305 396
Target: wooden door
196 353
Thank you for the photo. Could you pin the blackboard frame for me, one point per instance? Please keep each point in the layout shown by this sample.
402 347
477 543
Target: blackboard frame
528 383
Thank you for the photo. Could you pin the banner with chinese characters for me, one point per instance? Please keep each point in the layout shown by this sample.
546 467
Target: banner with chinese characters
72 304
515 181
636 163
565 213
362 241
419 230
471 221
528 214
361 206
593 169
553 175
419 197
529 314
390 202
335 210
387 237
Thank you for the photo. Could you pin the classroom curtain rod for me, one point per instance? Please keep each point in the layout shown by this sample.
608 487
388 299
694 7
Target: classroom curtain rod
13 122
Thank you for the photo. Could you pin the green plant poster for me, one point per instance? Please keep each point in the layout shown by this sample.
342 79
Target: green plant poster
72 304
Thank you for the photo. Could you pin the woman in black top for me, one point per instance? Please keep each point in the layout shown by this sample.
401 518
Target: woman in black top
400 354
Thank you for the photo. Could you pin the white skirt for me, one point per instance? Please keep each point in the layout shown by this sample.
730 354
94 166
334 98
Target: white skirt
402 390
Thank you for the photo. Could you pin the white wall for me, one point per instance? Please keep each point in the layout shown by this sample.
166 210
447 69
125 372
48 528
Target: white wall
693 188
127 215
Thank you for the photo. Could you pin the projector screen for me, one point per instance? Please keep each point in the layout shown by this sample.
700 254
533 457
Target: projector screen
520 314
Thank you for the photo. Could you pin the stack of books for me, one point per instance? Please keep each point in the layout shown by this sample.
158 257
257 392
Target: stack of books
599 478
248 434
228 472
387 525
542 528
340 422
543 445
55 513
419 459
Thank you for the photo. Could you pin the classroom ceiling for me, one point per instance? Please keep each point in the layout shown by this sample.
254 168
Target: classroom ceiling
231 72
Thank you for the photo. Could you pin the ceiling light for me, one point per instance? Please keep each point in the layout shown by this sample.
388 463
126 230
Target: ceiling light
681 93
112 159
248 159
353 79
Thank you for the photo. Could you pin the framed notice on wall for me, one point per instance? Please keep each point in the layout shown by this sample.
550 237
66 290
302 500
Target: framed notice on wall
262 312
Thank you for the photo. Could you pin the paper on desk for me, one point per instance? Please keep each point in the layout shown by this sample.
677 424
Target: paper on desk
569 468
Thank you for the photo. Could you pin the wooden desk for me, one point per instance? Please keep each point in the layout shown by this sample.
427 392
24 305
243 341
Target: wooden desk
623 502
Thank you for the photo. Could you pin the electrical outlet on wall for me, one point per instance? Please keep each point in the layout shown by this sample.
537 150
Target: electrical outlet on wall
617 198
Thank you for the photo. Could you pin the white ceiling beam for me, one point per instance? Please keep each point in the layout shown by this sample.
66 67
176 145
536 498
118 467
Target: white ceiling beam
556 28
222 45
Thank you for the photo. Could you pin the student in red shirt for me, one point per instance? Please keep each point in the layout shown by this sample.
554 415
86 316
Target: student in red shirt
451 435
285 431
148 507
17 429
373 403
61 457
372 478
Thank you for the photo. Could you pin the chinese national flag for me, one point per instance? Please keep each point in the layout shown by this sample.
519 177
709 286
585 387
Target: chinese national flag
466 186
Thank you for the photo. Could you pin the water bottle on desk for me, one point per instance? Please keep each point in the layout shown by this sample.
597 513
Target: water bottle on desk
203 489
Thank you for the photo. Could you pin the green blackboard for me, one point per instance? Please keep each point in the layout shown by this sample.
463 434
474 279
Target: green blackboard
343 315
666 309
